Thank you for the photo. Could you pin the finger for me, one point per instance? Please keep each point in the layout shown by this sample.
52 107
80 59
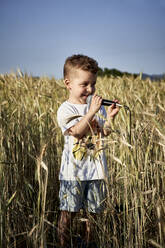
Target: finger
98 98
117 101
113 106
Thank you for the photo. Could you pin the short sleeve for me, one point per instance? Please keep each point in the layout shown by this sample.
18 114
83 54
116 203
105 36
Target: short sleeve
67 117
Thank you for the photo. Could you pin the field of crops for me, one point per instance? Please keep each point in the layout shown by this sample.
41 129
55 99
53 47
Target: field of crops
30 152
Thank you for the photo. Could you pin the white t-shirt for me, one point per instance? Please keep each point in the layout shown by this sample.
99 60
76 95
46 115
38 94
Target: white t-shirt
82 159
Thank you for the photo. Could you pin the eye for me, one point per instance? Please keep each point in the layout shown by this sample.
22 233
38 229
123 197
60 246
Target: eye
84 84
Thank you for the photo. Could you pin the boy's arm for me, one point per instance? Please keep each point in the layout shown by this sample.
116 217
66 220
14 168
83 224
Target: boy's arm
81 128
111 114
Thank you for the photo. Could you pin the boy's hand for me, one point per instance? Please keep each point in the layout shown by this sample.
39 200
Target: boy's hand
82 127
112 111
95 104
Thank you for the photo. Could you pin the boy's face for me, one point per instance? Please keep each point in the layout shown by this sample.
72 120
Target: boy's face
80 84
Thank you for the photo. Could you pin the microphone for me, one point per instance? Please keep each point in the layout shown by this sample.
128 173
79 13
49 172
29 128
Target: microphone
106 102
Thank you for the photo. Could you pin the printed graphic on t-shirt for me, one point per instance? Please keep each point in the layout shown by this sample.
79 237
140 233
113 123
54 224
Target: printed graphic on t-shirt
90 145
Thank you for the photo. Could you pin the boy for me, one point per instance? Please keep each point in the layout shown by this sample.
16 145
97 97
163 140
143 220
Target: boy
83 165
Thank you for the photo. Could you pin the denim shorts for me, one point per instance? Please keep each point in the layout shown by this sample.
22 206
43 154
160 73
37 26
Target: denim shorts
76 195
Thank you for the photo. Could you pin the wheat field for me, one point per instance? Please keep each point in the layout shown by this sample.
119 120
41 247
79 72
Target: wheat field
30 153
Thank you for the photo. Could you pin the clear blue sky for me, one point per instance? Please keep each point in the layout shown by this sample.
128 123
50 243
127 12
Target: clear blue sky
37 35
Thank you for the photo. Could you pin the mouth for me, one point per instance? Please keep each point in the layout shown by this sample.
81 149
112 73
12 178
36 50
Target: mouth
85 97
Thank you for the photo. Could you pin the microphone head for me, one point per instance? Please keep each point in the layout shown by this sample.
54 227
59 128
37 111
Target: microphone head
89 99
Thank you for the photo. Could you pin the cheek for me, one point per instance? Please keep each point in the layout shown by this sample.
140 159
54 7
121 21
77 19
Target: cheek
83 89
79 90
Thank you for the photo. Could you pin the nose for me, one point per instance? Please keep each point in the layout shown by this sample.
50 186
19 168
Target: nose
90 89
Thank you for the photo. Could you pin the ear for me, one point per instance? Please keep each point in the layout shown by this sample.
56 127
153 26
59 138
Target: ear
67 83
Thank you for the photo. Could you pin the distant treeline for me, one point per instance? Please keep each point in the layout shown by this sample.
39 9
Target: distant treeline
114 72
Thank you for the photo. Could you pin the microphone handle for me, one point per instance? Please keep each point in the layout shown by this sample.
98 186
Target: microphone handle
106 102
